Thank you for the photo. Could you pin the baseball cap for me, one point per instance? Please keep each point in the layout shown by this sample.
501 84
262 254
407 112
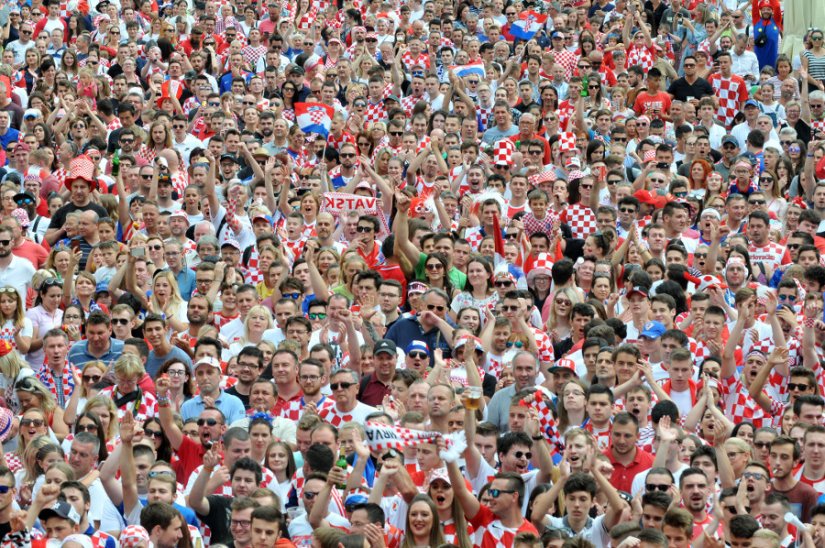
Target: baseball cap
232 243
23 197
638 289
102 287
729 139
653 330
61 509
384 345
417 346
751 103
416 287
230 157
210 361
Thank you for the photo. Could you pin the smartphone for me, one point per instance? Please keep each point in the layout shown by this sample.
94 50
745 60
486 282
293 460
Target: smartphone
74 244
138 252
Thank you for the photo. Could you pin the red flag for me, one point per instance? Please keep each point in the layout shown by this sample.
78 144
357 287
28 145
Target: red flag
497 236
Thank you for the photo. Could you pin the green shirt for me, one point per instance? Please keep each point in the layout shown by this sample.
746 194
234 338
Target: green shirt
457 277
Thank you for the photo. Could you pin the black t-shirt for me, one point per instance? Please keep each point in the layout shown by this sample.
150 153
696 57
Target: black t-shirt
244 398
218 519
682 90
59 218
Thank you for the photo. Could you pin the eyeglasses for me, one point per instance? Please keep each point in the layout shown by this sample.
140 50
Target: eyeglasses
92 378
436 307
310 378
650 487
244 523
207 422
247 365
418 355
753 475
435 266
496 492
317 316
87 428
786 143
37 423
341 385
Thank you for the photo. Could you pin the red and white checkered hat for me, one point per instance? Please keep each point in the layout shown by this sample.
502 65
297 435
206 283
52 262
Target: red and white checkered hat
575 175
262 105
133 535
567 142
542 266
83 168
542 177
503 152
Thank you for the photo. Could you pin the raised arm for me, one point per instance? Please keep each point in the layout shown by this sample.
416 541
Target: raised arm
129 431
744 309
470 505
167 418
211 463
402 229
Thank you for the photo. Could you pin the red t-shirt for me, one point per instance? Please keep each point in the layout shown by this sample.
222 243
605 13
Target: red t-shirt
658 103
190 455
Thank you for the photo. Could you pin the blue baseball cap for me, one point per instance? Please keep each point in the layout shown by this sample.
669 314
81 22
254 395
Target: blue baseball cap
653 330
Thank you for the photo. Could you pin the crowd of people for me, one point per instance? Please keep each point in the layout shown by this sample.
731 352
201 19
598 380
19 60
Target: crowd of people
513 273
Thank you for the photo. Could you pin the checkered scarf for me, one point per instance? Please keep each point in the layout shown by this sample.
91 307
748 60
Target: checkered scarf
46 376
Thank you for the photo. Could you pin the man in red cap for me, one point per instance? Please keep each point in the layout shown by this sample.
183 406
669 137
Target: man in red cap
81 182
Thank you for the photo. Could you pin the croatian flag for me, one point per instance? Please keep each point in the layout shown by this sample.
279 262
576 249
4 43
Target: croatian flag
476 68
528 24
314 117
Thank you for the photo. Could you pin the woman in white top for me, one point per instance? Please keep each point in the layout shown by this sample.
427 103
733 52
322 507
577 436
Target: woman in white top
16 328
281 462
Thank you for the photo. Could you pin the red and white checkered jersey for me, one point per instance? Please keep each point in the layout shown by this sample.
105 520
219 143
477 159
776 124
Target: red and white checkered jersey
145 407
730 93
294 409
641 55
602 436
567 59
771 255
408 60
818 484
580 219
491 533
376 112
741 407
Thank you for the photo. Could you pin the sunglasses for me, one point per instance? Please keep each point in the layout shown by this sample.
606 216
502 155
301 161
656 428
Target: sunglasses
517 344
92 378
435 266
341 385
37 423
650 487
157 434
753 475
347 155
160 473
791 298
436 307
797 386
87 428
293 296
120 321
418 355
317 316
757 202
207 422
503 283
496 492
363 229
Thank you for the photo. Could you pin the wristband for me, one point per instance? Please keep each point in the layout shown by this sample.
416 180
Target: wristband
809 322
163 402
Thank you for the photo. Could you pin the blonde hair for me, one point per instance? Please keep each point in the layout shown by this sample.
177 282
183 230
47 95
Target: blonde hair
105 401
11 365
17 317
257 309
128 365
175 300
